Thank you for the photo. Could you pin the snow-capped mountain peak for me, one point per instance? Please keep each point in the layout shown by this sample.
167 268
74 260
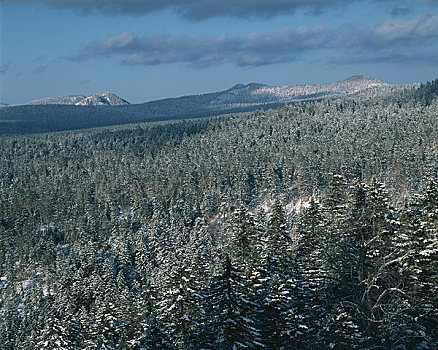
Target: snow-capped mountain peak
104 98
58 100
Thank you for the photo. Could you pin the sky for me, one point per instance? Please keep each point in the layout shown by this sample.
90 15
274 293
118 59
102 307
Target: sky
144 50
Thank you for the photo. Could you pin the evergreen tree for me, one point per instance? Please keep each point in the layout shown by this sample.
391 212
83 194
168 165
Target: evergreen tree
231 307
276 314
53 335
155 337
310 273
420 243
243 240
180 307
372 282
105 325
10 322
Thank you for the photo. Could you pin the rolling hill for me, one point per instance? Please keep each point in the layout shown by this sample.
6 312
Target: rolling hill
104 109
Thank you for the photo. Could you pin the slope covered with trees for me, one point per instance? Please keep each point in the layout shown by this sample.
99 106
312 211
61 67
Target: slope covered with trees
308 226
79 112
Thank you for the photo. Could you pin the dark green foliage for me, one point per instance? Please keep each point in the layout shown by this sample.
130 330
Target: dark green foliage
231 321
155 337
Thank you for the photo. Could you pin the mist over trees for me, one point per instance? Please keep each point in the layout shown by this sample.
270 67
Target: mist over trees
309 226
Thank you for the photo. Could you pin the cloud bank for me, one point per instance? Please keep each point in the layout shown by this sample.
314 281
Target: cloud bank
205 51
196 9
398 41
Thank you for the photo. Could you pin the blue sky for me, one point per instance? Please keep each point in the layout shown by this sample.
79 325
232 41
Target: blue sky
149 49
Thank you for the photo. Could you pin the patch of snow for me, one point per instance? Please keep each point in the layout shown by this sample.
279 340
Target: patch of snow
297 206
45 227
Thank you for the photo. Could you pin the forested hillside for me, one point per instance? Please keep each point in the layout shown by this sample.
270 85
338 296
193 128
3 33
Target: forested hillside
310 226
79 112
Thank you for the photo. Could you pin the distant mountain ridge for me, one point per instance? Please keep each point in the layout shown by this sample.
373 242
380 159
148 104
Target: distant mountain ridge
261 93
252 96
252 93
104 109
100 99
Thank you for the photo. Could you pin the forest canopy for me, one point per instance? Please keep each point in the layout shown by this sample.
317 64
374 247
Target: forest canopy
312 225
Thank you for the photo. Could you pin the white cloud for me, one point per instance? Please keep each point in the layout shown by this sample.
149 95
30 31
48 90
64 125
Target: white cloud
397 41
204 51
425 26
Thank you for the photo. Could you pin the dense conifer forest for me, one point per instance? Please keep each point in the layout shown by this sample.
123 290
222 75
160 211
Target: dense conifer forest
309 226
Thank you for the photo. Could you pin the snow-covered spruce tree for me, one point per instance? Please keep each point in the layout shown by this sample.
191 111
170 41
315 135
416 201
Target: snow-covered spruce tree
131 315
10 320
53 335
155 336
34 313
309 274
6 247
332 261
64 302
105 326
259 254
335 206
276 283
365 302
429 253
242 244
180 306
419 241
231 307
147 331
